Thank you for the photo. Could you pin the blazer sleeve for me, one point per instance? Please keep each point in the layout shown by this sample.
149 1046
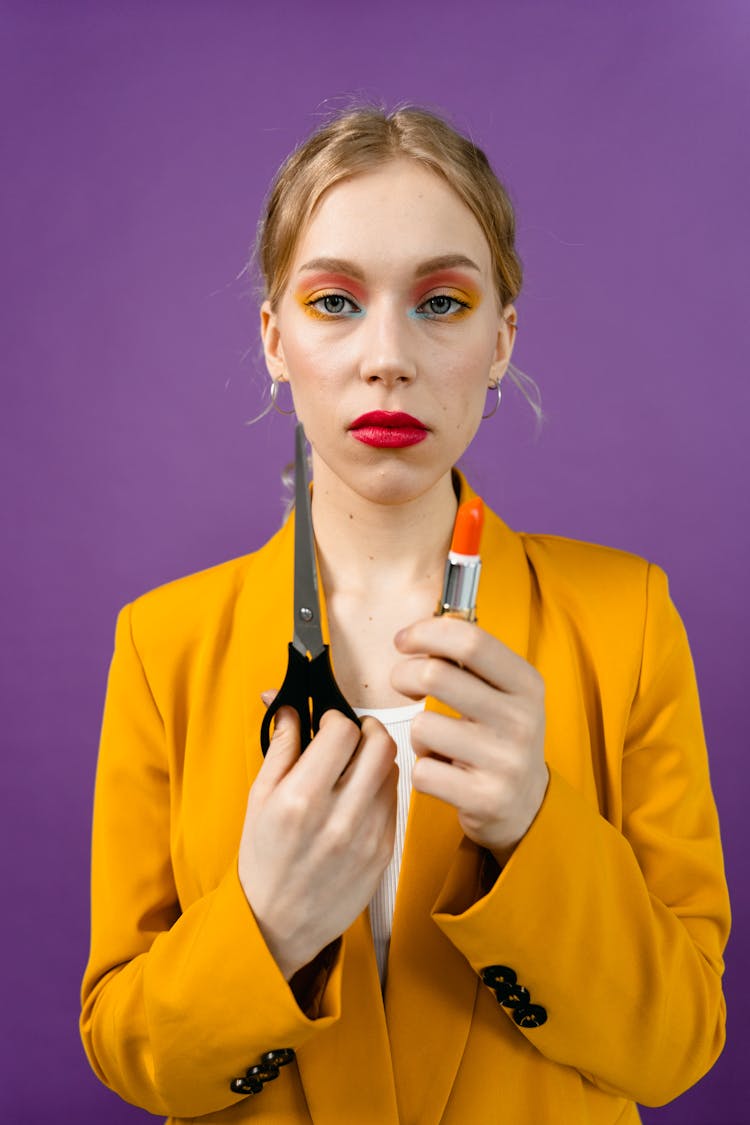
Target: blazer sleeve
174 1004
618 935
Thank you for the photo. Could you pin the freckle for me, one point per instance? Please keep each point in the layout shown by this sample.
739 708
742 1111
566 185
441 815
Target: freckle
351 517
366 685
371 558
369 619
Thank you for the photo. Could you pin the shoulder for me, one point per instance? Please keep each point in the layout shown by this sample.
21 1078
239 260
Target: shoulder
191 608
602 569
192 594
602 592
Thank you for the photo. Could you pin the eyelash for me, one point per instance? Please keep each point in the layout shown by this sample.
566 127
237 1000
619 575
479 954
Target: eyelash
463 306
327 315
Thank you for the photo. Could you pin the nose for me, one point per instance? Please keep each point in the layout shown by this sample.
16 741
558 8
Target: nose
386 355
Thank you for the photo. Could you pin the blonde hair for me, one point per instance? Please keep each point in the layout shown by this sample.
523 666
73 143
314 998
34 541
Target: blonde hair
361 139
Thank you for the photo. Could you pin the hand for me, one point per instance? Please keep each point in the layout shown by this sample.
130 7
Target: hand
318 832
489 763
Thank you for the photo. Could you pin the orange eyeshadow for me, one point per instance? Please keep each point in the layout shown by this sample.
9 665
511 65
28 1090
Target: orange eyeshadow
463 286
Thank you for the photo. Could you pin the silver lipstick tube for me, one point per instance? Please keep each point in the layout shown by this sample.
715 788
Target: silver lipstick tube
460 585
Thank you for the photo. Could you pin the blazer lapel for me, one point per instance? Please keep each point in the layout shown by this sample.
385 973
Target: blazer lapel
266 623
346 1070
431 988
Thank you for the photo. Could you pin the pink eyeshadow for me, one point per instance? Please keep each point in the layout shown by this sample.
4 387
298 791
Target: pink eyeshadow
330 281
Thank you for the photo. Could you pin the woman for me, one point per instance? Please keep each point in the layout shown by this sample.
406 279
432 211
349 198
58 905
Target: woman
554 950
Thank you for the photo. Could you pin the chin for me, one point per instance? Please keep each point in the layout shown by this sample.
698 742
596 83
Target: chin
387 480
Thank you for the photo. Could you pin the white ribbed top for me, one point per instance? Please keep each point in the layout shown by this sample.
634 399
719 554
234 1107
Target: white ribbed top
397 721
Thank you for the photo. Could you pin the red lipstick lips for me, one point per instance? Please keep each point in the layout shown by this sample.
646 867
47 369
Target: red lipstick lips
388 429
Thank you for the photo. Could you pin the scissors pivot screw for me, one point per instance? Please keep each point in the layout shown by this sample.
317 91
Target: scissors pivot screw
306 614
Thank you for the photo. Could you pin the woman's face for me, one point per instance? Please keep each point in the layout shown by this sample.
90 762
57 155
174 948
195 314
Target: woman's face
390 307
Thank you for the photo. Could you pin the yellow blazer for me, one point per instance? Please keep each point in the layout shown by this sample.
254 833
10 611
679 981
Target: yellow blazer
612 911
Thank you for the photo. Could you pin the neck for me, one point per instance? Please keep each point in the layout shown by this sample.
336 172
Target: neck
367 545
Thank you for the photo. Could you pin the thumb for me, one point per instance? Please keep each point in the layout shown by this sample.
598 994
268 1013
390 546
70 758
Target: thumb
284 747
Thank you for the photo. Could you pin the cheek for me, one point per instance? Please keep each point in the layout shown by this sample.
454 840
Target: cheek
308 354
464 378
310 361
473 352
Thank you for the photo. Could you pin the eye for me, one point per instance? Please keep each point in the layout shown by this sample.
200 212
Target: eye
442 305
333 304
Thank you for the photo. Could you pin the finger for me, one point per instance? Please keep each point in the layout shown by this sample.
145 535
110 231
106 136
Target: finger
373 763
444 780
467 744
459 688
470 646
488 813
480 807
389 803
283 750
328 754
391 823
377 819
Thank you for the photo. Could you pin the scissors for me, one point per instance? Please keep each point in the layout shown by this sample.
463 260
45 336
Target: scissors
309 685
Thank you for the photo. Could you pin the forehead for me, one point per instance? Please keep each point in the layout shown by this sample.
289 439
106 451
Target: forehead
398 215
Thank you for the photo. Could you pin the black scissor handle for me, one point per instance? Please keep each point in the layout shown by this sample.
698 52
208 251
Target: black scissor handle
305 681
292 693
325 692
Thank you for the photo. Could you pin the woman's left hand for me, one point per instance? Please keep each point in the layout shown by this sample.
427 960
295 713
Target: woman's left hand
489 763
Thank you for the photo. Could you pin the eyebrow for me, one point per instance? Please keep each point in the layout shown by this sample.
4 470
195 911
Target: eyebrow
446 262
431 265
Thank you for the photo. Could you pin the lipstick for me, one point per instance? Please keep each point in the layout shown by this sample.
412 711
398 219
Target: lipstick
389 429
463 565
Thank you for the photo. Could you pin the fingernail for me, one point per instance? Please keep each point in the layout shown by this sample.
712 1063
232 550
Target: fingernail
268 697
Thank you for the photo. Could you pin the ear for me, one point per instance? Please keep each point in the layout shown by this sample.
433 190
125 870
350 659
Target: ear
506 338
272 346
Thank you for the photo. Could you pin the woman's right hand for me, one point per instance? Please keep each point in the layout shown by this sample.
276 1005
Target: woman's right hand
318 832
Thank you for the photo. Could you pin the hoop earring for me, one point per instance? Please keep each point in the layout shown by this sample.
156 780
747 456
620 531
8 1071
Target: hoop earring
494 387
274 397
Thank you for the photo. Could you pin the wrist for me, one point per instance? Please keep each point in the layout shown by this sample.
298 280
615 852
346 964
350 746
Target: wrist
288 959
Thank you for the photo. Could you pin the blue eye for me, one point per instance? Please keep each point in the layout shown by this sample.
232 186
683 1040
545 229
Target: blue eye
442 305
334 304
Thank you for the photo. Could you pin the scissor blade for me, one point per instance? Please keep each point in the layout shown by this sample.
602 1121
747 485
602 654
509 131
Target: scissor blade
308 634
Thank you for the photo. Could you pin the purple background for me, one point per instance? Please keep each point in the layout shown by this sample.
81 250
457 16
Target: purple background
139 141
